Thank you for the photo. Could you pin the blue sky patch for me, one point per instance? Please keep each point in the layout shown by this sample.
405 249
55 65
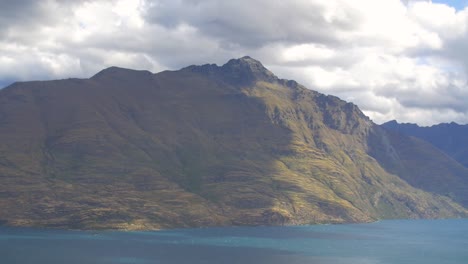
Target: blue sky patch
458 4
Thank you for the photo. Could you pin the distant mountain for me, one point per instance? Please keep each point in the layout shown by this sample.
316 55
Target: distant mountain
208 145
451 138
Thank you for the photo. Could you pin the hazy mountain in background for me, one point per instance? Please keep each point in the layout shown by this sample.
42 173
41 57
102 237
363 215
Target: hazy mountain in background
451 138
208 145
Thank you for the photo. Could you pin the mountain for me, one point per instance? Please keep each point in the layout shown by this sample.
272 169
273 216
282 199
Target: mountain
203 146
451 138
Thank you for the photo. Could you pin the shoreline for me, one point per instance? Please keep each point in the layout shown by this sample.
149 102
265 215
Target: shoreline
97 231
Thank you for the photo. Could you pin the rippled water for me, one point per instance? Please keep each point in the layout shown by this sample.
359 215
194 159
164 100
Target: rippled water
385 242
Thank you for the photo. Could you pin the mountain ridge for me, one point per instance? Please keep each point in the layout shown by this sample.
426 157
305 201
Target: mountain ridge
451 138
202 146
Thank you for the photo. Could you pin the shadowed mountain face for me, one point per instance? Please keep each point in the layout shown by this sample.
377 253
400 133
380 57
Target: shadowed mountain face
450 138
203 146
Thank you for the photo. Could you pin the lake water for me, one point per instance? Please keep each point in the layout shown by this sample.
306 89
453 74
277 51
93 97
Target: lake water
384 242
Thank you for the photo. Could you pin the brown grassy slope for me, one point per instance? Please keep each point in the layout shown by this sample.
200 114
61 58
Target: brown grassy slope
201 146
330 143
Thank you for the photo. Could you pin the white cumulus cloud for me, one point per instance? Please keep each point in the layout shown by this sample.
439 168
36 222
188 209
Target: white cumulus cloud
404 60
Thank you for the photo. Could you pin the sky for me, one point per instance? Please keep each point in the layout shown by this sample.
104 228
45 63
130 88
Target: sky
396 59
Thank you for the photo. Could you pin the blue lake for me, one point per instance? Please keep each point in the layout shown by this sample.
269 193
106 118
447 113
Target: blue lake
384 242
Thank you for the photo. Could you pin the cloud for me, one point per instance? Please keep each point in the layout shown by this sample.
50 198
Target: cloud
22 10
254 23
404 60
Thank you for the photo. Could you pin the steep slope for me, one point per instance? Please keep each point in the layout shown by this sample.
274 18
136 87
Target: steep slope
451 138
205 145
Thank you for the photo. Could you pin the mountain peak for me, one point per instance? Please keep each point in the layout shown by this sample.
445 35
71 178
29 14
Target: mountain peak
241 71
247 69
247 60
247 63
114 71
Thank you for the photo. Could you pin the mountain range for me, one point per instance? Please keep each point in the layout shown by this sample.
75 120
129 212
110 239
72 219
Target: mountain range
208 146
451 138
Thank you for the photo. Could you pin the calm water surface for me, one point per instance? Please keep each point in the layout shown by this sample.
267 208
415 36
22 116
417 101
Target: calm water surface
385 242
